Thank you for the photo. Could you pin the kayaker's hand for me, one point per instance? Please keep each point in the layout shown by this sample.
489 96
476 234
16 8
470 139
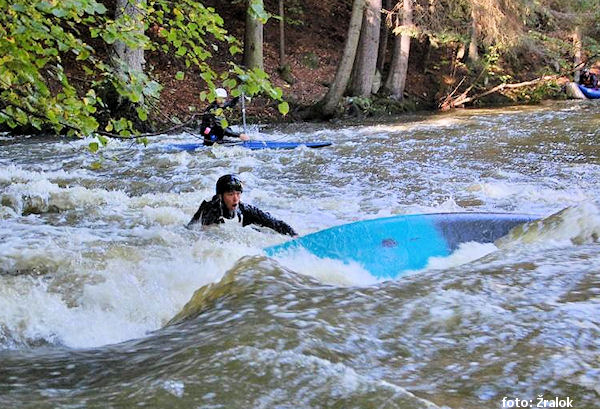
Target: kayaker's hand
244 137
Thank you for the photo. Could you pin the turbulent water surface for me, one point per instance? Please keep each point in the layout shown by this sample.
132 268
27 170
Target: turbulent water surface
95 264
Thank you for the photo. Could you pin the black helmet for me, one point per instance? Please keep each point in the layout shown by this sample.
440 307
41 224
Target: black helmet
229 183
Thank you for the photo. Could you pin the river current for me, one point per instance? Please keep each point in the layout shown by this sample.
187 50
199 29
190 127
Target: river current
95 262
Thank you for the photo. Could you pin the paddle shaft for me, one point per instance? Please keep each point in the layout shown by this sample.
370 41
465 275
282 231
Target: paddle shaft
244 112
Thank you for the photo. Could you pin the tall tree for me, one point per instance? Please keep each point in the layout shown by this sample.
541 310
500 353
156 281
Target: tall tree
473 54
281 34
284 69
128 62
129 57
253 41
366 58
327 106
383 39
577 60
396 79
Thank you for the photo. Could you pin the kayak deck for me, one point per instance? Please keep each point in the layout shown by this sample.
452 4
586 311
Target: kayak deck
253 145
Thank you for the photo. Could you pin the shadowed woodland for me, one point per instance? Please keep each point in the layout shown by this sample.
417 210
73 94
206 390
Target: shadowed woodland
131 68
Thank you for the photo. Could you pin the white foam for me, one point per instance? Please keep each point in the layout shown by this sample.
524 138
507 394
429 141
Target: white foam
573 225
7 212
40 196
164 215
326 270
15 174
466 253
130 292
116 264
528 192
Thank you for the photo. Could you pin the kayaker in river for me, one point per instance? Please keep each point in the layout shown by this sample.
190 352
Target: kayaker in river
211 127
226 204
588 79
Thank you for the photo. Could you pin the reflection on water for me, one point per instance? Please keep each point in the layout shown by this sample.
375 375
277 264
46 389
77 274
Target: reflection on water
95 263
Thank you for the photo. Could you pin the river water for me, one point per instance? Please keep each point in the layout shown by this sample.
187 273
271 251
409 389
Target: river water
95 262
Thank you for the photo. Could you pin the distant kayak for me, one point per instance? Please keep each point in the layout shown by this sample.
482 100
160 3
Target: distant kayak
253 145
592 93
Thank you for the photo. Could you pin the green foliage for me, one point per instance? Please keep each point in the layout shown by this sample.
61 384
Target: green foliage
251 83
31 44
360 104
294 12
548 90
492 64
257 9
283 108
38 39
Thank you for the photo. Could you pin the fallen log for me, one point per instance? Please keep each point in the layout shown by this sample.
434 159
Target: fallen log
450 101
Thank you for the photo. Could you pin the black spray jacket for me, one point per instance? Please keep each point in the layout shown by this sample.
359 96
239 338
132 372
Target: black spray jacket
211 128
215 212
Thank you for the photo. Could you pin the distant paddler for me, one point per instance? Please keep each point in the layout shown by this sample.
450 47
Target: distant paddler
212 126
588 79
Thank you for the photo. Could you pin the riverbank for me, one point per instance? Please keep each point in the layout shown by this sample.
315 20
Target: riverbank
86 100
314 43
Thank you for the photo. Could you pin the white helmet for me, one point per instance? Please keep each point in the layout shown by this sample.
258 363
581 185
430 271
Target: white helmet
221 93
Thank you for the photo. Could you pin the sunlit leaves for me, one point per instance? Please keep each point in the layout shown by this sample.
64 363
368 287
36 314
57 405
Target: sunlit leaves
142 114
122 126
36 37
257 9
283 108
152 89
230 83
234 49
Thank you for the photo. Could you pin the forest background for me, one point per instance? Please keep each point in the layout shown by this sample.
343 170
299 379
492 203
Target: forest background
131 68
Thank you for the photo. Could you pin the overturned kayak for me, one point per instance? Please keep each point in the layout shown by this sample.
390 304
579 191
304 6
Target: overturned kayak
388 246
253 145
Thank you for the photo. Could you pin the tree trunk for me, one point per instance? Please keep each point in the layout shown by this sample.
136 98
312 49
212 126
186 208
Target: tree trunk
366 58
285 71
327 106
281 35
473 52
396 79
126 57
253 41
577 41
383 40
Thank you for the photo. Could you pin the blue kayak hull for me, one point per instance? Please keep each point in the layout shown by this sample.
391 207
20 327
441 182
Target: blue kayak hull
591 93
385 247
253 145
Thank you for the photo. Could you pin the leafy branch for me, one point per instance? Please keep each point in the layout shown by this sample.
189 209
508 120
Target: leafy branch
38 39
